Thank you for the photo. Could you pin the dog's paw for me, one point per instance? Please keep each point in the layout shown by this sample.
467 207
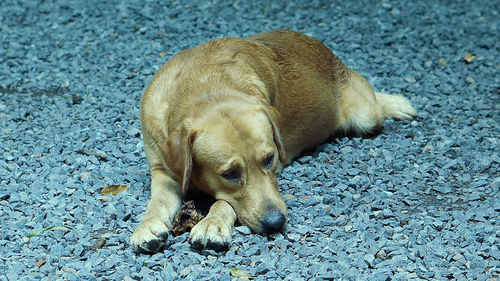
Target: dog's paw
149 236
211 232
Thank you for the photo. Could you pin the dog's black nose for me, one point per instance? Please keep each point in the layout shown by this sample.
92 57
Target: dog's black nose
273 220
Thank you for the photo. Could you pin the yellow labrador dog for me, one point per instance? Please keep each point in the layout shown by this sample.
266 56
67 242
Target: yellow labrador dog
223 118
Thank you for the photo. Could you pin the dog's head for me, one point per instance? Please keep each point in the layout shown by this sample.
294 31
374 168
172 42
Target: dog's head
231 150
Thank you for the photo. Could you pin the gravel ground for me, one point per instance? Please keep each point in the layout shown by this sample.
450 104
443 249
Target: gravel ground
418 201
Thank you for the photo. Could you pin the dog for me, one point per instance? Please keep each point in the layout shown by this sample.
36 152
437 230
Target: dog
225 116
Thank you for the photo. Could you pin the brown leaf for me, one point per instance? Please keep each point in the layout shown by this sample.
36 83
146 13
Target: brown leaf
40 263
238 272
162 54
469 58
114 189
186 218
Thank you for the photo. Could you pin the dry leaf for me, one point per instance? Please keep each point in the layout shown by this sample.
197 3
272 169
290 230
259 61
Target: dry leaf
442 61
40 263
238 272
469 58
162 54
114 189
186 218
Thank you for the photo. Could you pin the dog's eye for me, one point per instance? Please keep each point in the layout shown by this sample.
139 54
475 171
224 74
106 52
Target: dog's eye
231 175
268 162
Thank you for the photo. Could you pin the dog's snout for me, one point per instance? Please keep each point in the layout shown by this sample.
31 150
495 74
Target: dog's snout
273 220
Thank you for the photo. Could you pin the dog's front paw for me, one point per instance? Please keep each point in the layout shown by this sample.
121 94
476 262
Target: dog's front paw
149 236
211 232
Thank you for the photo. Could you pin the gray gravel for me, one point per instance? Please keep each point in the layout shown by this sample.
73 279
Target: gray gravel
419 201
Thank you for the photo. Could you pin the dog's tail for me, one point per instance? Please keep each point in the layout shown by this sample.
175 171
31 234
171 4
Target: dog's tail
395 106
363 111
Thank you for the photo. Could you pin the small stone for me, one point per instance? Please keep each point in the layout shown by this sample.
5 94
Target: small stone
470 80
243 229
348 228
410 79
293 236
474 196
69 269
8 156
185 272
387 213
381 254
262 268
85 175
375 215
368 258
495 184
457 257
428 148
438 225
327 208
442 189
104 198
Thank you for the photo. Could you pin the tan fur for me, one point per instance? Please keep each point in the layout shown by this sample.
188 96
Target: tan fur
231 103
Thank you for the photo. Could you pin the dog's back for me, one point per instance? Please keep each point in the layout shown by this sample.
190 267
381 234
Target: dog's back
310 79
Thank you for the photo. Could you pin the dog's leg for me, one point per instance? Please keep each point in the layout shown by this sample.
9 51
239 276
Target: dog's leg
165 201
216 229
362 111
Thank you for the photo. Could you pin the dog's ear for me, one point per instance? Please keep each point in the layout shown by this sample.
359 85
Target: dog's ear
275 120
177 151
